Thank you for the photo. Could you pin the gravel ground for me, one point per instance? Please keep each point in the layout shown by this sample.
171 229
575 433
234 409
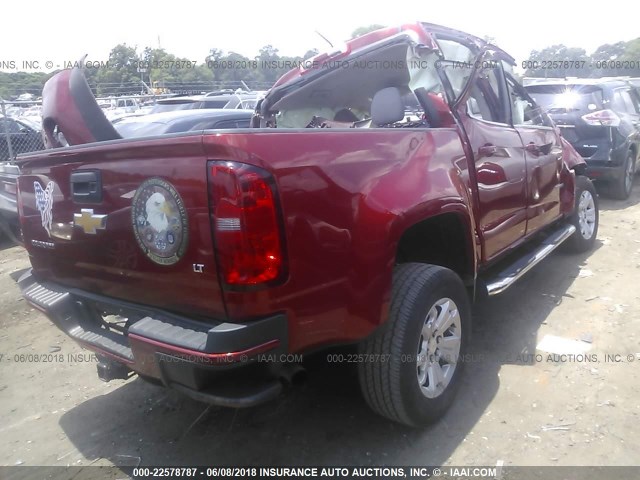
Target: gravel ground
514 407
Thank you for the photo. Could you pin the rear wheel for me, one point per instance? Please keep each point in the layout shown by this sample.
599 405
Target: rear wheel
585 217
621 187
412 365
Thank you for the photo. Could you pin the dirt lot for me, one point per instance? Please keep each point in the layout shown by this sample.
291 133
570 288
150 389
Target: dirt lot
509 409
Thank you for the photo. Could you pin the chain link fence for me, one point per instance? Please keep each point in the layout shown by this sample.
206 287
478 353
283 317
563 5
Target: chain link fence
20 128
21 120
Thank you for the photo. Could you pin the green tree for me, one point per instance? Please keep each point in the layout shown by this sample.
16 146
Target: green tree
606 53
215 54
578 62
268 60
310 53
358 32
632 56
122 76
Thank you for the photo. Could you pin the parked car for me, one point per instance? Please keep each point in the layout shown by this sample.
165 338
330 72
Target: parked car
601 119
240 101
9 224
33 123
201 260
182 121
23 138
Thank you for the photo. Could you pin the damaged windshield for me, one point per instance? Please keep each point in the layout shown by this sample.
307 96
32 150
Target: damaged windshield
344 96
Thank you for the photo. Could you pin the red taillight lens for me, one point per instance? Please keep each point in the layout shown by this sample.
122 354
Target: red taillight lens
605 118
245 224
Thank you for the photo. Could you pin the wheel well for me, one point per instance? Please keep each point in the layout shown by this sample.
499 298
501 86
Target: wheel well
580 169
441 240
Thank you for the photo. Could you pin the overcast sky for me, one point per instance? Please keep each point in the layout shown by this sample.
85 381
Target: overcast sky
64 30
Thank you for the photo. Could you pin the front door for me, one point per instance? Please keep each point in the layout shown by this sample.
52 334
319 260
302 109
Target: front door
499 158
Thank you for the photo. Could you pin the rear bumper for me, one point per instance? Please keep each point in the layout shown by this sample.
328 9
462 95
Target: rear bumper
604 171
607 163
215 363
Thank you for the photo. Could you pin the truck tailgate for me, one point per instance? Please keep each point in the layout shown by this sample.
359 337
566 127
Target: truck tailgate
128 220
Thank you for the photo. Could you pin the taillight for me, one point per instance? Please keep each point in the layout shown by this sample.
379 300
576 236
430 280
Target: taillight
246 228
605 118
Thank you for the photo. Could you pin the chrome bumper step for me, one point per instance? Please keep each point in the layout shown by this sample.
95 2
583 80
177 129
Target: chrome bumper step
507 277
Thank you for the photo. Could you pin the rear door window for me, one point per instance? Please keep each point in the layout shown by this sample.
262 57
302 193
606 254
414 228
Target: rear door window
524 110
232 124
488 98
457 64
214 103
622 102
580 99
10 125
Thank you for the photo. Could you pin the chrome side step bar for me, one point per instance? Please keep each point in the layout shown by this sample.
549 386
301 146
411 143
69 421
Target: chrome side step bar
513 272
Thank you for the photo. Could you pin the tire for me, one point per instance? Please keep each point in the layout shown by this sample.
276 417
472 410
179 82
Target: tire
585 217
392 382
620 188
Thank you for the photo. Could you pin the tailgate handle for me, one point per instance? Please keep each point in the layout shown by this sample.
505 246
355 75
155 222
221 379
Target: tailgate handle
86 186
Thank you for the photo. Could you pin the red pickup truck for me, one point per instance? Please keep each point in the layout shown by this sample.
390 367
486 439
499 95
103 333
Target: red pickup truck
379 190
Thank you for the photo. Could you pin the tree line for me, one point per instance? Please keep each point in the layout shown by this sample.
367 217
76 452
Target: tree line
127 72
608 60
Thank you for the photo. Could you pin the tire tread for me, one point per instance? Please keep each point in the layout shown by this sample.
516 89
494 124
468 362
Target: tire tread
380 381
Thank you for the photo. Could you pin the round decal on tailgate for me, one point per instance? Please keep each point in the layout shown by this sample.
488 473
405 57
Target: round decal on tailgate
160 221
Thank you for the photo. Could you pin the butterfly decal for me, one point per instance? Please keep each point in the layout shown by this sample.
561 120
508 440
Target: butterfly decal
44 202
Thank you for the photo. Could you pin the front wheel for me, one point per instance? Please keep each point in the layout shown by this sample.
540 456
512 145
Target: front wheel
585 217
412 365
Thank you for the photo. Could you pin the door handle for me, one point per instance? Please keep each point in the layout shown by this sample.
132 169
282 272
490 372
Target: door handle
487 150
532 148
86 186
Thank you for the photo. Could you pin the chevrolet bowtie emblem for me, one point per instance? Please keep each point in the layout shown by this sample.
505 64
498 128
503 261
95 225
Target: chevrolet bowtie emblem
88 221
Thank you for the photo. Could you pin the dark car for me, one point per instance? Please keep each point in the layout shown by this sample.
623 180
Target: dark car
23 138
226 101
9 225
601 119
182 121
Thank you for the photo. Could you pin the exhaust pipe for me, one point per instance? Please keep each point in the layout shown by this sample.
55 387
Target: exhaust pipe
292 374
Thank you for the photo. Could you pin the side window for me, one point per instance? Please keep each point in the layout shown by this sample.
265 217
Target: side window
623 102
635 97
226 124
11 126
487 100
524 111
458 64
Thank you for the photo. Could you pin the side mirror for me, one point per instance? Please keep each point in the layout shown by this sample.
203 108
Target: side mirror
387 107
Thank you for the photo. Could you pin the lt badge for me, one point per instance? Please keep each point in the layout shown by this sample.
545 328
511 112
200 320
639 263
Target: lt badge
160 221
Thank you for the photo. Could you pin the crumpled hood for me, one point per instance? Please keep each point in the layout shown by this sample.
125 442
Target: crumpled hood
69 107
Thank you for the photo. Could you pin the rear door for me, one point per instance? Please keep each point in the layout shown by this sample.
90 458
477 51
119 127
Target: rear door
625 103
499 158
543 154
